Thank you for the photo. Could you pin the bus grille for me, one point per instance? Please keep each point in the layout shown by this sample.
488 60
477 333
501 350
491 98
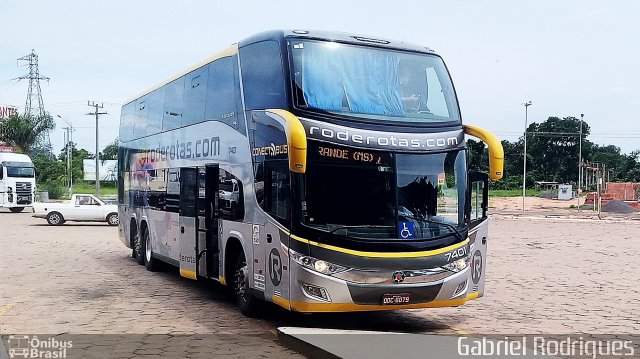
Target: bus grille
23 192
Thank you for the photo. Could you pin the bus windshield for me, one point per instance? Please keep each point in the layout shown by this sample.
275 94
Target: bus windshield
367 194
372 83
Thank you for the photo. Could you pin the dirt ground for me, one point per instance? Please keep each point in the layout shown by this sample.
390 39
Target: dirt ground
544 275
551 208
532 204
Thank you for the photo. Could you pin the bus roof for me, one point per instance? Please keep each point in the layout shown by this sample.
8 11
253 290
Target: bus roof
336 36
280 36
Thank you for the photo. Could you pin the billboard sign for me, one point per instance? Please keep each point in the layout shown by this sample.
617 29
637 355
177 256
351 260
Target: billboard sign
6 111
108 170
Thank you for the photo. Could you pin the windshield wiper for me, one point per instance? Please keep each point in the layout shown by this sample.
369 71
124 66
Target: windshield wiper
364 226
447 225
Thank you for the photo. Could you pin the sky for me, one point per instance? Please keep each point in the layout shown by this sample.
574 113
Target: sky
567 57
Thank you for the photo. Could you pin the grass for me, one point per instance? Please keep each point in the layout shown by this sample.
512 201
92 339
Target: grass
87 187
513 193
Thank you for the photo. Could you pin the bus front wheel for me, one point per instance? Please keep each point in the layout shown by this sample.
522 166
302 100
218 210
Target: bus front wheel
248 304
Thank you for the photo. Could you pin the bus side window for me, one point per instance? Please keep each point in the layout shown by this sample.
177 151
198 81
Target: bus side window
126 121
263 76
173 104
140 118
195 93
222 92
155 109
231 197
276 189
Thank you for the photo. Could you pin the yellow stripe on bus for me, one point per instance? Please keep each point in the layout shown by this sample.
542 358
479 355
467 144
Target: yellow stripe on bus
281 302
352 307
188 274
383 254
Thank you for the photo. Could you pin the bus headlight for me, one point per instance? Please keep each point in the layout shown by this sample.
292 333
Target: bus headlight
317 265
457 266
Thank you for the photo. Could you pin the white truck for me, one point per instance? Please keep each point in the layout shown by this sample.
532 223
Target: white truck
17 181
81 208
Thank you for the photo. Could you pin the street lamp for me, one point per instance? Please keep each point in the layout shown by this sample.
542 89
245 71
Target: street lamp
524 170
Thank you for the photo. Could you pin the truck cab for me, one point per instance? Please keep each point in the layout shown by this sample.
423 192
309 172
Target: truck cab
17 181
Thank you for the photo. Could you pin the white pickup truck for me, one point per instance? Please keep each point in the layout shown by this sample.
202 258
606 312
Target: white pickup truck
81 208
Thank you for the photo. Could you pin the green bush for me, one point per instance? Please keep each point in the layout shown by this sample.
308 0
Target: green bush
56 189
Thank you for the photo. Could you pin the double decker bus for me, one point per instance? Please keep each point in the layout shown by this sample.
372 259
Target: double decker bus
323 172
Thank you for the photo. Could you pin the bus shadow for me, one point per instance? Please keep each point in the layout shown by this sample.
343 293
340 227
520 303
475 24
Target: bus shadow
219 298
403 321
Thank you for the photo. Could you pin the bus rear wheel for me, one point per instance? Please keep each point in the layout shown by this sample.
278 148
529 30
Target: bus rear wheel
16 209
248 304
138 253
149 262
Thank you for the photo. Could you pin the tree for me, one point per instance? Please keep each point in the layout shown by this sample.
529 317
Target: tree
552 148
22 131
477 156
111 151
78 156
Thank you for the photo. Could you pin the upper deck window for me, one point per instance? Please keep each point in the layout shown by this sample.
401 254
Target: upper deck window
372 83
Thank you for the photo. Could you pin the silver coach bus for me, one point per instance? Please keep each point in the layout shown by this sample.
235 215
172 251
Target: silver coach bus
318 171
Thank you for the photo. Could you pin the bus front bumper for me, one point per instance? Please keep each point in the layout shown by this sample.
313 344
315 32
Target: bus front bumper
315 292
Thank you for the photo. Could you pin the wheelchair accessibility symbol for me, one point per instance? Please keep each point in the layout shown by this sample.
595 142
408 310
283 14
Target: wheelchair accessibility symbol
406 230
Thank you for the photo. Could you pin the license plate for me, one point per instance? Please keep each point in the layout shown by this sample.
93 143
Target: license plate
394 299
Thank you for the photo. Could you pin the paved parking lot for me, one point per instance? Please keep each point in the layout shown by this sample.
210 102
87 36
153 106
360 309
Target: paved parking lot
544 276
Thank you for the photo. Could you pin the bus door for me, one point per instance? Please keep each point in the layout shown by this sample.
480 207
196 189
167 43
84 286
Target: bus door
208 221
478 230
188 222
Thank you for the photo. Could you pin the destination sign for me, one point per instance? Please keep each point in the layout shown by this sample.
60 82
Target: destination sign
351 154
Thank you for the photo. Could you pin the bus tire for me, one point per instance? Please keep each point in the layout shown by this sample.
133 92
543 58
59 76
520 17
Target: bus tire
55 218
248 304
16 209
150 263
137 247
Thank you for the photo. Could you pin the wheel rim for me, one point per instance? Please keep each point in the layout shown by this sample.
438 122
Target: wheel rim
242 283
55 218
147 247
113 220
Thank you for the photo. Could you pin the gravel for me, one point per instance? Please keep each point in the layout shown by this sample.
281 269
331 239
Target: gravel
618 207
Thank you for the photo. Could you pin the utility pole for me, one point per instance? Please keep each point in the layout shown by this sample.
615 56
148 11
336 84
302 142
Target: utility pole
69 145
97 113
524 171
579 189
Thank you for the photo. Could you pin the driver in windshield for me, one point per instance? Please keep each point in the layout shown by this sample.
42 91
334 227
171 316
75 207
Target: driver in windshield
420 197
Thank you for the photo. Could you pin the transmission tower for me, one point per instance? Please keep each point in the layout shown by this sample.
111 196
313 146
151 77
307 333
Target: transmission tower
34 106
